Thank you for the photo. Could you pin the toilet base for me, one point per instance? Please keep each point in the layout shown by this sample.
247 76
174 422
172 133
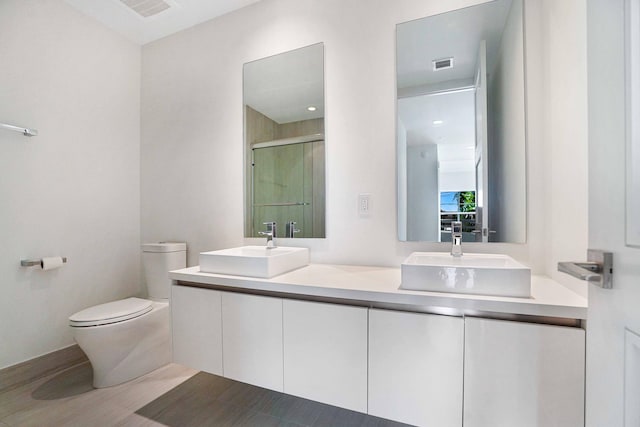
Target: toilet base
120 352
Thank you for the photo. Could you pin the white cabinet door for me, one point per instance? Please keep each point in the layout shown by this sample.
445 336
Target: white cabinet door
252 339
523 374
415 367
325 353
196 321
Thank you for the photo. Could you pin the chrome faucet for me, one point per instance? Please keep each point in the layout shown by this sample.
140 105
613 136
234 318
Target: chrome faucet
291 229
270 233
456 238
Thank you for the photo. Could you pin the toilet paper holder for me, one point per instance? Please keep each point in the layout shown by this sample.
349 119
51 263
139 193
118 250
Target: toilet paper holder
34 262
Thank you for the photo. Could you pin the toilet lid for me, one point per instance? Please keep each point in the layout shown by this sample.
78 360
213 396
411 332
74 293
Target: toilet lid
111 312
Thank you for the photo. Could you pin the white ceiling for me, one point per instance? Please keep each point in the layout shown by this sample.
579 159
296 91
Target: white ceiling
455 136
426 95
456 110
282 86
181 15
454 34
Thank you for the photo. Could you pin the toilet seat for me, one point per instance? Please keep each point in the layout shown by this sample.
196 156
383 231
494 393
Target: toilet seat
111 312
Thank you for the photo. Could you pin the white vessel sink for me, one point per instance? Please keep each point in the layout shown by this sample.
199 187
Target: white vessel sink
483 274
254 261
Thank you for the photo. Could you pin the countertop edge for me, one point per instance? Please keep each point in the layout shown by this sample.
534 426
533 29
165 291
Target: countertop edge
383 289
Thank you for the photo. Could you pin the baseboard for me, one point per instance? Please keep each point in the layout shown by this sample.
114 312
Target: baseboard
31 370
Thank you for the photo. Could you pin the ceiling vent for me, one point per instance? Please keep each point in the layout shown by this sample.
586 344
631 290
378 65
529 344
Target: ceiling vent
442 64
147 8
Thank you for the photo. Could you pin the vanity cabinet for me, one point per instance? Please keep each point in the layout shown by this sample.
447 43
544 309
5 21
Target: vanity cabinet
252 339
325 353
415 367
523 374
196 322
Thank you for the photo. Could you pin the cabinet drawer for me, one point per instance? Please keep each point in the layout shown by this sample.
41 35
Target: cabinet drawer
325 353
196 321
415 367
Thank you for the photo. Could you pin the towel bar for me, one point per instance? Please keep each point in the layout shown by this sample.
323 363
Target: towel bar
34 262
22 130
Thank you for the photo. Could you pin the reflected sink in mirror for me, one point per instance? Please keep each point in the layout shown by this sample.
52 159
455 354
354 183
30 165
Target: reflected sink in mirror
481 274
254 261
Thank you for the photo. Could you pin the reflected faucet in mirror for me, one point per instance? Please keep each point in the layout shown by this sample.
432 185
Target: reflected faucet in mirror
456 238
291 229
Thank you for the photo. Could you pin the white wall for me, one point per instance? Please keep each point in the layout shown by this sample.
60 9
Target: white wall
423 215
564 172
192 179
456 181
402 180
507 154
74 189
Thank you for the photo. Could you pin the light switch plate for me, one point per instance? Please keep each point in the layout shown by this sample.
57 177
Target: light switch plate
364 203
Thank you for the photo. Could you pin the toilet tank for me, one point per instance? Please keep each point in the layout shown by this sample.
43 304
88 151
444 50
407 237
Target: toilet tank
158 259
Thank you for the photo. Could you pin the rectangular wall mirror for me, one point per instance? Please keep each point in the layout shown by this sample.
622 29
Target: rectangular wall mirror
461 124
284 143
632 94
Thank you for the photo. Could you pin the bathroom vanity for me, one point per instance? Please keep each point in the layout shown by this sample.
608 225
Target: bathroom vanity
348 336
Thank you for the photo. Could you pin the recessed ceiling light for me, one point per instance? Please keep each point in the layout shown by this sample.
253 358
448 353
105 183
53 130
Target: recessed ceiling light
311 108
437 122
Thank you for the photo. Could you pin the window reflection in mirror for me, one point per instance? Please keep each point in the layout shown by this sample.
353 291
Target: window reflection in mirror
284 143
461 124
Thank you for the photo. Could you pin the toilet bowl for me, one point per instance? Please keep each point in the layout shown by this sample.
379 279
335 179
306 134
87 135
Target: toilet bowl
131 337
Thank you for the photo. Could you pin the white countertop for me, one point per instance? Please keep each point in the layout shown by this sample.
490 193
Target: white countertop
380 285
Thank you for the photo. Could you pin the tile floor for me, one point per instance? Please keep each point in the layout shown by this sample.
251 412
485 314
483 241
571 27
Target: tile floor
68 399
173 396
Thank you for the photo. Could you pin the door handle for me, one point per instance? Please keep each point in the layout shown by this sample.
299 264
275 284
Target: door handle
598 269
589 271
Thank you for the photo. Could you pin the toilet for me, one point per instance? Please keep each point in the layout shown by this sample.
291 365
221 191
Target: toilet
131 337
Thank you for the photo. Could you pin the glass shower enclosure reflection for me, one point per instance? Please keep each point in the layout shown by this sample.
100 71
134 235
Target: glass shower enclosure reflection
288 178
